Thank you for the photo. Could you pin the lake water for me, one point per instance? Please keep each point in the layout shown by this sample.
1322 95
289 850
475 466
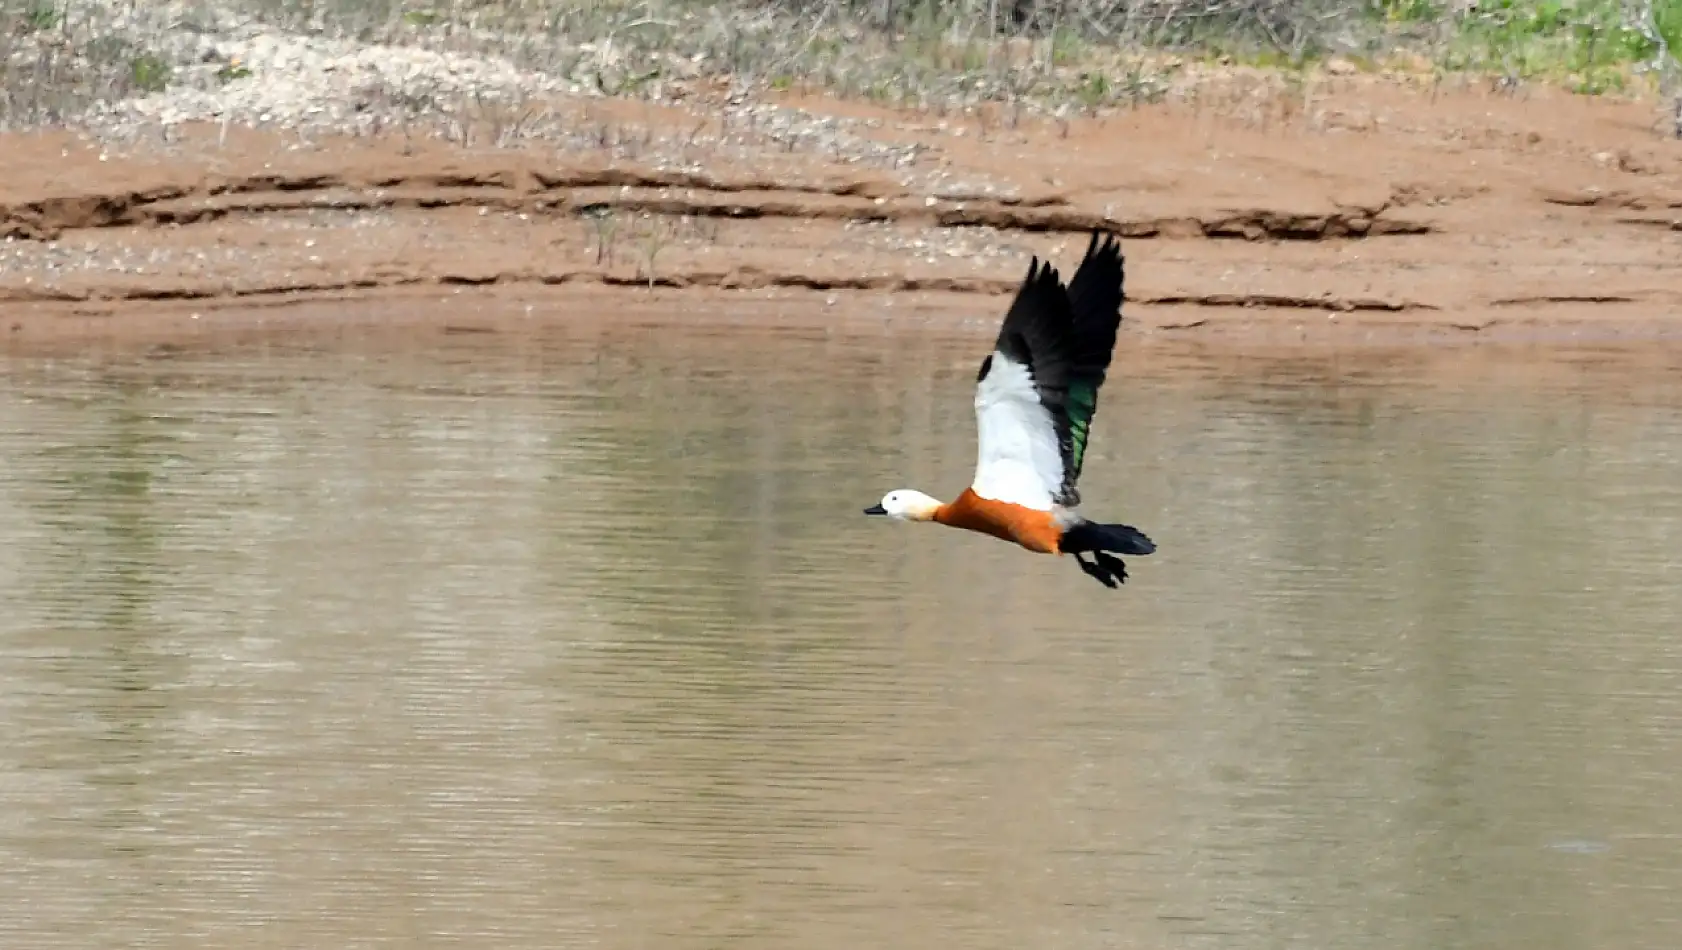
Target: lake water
576 638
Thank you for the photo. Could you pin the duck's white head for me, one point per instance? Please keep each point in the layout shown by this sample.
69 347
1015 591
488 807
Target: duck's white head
905 504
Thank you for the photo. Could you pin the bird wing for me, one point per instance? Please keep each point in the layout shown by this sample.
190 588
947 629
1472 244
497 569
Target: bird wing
1095 294
1037 391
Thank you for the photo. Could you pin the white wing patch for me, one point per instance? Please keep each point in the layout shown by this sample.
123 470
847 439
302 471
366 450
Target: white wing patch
1017 460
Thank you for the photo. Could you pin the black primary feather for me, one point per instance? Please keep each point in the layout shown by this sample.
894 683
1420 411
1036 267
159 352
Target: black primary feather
1095 294
1037 331
1065 337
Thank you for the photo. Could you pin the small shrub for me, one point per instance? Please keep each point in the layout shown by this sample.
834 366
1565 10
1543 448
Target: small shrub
150 73
231 71
40 17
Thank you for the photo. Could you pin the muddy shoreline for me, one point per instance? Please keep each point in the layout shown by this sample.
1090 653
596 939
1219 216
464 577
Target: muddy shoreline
1396 218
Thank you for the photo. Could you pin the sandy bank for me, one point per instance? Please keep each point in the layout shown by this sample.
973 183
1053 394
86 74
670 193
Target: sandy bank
1375 213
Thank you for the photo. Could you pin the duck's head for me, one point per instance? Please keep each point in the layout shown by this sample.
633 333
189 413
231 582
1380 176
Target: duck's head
905 504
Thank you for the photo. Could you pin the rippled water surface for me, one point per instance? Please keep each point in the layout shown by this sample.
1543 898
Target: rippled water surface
578 638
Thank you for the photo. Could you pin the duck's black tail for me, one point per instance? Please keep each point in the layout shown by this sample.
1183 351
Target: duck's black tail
1116 538
1089 536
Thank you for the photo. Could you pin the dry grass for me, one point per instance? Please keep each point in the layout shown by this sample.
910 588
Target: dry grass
59 56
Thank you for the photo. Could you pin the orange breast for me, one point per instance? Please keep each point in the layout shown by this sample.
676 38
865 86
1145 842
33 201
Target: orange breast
1034 530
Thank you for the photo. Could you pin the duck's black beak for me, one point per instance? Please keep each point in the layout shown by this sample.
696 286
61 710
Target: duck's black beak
875 510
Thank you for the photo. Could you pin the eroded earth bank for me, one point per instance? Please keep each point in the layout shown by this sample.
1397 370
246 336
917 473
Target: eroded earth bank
1366 211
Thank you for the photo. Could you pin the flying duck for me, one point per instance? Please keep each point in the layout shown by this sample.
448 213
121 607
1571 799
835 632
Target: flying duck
1034 400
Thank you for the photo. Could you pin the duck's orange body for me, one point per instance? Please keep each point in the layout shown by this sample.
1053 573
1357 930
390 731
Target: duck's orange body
1035 530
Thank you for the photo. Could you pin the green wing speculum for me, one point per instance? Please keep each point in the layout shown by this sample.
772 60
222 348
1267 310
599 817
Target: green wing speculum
1095 294
1082 403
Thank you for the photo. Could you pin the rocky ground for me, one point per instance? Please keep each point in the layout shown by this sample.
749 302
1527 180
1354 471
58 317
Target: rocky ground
283 167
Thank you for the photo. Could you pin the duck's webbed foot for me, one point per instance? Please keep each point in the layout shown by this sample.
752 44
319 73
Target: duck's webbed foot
1107 570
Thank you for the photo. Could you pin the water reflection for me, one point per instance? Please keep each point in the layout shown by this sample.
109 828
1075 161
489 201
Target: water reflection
575 637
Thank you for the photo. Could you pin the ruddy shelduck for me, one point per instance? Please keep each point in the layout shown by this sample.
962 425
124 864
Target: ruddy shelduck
1034 400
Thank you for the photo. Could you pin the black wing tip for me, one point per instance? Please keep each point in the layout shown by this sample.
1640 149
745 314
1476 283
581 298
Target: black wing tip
1041 272
1101 278
1106 244
1042 289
